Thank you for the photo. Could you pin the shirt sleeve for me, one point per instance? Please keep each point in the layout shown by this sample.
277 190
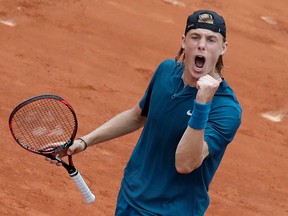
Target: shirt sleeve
221 128
145 101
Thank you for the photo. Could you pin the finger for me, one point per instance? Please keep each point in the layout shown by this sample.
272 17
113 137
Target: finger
71 150
207 80
58 160
53 161
198 85
50 160
212 79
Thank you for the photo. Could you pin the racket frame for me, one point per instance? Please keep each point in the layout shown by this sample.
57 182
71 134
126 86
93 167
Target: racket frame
50 153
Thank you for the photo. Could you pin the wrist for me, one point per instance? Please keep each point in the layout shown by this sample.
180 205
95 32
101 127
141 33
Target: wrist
199 116
84 142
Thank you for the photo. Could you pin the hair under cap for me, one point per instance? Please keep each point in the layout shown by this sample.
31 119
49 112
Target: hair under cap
194 22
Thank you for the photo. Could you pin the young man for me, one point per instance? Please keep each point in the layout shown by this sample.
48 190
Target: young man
189 114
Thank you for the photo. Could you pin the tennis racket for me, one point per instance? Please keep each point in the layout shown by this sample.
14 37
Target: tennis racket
45 125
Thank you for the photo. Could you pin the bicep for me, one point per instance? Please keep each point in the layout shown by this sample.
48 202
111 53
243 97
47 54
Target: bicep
136 113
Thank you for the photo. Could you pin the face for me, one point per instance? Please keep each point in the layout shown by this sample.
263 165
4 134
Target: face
202 49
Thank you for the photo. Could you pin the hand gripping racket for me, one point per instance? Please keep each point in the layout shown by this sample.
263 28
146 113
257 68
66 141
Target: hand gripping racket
45 125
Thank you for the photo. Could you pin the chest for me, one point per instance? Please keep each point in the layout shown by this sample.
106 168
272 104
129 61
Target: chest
171 103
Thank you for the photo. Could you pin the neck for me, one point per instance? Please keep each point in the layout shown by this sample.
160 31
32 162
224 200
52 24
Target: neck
187 82
192 82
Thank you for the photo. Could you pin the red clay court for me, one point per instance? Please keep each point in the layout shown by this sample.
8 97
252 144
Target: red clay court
100 55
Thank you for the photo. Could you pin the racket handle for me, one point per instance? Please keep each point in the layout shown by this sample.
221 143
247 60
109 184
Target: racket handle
88 196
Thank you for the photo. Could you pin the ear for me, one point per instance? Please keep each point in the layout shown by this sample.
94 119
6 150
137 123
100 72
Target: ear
183 42
224 48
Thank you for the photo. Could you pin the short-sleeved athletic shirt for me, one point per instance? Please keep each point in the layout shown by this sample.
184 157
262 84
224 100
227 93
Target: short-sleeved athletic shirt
151 183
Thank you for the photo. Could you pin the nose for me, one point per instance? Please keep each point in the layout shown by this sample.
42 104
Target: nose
202 44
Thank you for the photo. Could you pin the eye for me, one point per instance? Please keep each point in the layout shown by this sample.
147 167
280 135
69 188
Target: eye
195 37
212 40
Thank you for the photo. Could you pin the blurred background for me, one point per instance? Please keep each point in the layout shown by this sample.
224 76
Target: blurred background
100 55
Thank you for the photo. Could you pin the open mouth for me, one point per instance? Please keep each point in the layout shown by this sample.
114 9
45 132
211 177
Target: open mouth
199 61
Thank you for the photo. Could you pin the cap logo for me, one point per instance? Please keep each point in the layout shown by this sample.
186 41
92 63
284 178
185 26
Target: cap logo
206 18
189 26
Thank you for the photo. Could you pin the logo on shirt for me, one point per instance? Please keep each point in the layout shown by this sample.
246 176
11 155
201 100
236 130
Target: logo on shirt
189 113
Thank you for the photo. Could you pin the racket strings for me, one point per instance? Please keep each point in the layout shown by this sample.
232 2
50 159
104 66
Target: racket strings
44 124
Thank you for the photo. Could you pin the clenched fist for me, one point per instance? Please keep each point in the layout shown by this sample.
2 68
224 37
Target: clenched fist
207 86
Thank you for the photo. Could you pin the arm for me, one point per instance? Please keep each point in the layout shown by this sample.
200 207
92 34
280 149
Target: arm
192 149
123 123
224 122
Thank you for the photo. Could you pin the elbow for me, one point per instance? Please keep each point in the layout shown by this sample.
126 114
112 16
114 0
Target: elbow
187 167
183 170
187 161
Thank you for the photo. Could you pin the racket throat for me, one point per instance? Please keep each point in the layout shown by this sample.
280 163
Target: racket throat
70 169
73 172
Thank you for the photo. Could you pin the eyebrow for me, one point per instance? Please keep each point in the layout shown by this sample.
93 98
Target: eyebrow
205 35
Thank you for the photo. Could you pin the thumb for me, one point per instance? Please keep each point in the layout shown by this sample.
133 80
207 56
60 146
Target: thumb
70 150
197 85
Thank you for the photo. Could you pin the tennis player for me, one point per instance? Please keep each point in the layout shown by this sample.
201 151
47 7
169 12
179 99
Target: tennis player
189 115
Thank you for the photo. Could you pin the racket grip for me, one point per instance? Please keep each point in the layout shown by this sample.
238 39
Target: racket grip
88 196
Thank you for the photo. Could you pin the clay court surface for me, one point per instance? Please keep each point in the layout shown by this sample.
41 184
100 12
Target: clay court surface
99 55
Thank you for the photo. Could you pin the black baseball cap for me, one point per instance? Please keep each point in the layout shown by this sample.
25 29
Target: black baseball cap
218 24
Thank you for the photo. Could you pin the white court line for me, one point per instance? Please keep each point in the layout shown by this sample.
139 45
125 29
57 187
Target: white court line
9 23
175 2
269 20
274 116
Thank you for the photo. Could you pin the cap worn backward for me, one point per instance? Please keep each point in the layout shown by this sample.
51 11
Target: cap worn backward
218 25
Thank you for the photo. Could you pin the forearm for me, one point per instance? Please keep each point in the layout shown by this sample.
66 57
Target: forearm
191 150
123 123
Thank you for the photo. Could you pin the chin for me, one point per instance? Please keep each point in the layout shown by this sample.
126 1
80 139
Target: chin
198 73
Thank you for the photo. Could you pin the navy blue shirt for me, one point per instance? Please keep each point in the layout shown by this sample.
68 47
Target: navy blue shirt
151 183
